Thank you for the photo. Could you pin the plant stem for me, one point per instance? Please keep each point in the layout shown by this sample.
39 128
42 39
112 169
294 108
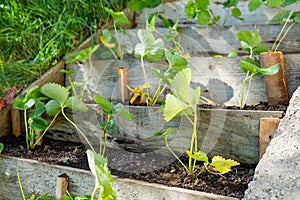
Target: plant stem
26 128
104 133
194 142
94 191
44 132
78 129
174 154
20 184
282 38
284 25
145 75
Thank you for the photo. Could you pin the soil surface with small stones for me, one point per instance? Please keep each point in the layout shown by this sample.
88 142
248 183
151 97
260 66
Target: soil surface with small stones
232 184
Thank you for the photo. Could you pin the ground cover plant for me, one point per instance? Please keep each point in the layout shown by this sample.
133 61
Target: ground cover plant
35 35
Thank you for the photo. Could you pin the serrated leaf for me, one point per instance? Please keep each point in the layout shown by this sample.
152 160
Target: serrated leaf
176 61
76 104
251 38
123 113
106 38
181 86
119 17
104 104
149 48
190 10
201 4
173 107
52 108
38 124
271 70
248 65
254 4
56 92
199 156
222 165
203 17
82 55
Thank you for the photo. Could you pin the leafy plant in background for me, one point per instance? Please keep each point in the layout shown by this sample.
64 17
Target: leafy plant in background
138 5
251 42
114 43
183 102
288 16
153 49
200 10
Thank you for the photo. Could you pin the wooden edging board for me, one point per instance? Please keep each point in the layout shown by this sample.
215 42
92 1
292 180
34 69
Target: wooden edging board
52 75
38 178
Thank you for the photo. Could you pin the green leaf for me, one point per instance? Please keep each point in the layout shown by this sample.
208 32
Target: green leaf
271 70
104 104
232 53
119 17
222 165
137 5
254 4
297 17
122 112
278 18
203 17
52 108
236 12
46 197
149 48
111 125
250 39
39 109
106 39
174 106
38 124
190 10
76 104
196 98
275 3
68 72
35 93
259 49
287 3
181 86
20 104
176 61
56 92
230 3
103 177
1 147
249 65
165 133
32 197
202 4
82 55
199 156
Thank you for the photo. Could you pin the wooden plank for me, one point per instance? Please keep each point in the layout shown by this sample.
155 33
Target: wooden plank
231 133
82 182
62 184
219 78
16 122
52 75
268 126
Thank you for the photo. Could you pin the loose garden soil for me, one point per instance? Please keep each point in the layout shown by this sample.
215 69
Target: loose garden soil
232 184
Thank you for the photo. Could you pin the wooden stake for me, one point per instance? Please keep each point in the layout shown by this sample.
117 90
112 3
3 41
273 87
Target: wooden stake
276 85
268 127
16 122
122 84
62 183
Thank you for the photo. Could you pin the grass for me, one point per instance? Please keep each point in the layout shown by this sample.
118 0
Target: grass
35 34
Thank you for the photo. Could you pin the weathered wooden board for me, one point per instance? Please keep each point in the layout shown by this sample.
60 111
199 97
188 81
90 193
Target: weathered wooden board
231 133
81 182
219 78
175 11
52 75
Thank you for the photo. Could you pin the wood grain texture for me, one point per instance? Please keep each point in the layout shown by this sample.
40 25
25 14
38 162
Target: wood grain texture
268 126
82 182
231 133
219 78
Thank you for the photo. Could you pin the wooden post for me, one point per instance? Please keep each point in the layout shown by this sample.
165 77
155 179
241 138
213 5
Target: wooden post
16 122
62 183
122 84
268 127
276 85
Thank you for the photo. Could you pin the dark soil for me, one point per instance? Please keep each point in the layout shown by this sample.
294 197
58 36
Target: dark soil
232 184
